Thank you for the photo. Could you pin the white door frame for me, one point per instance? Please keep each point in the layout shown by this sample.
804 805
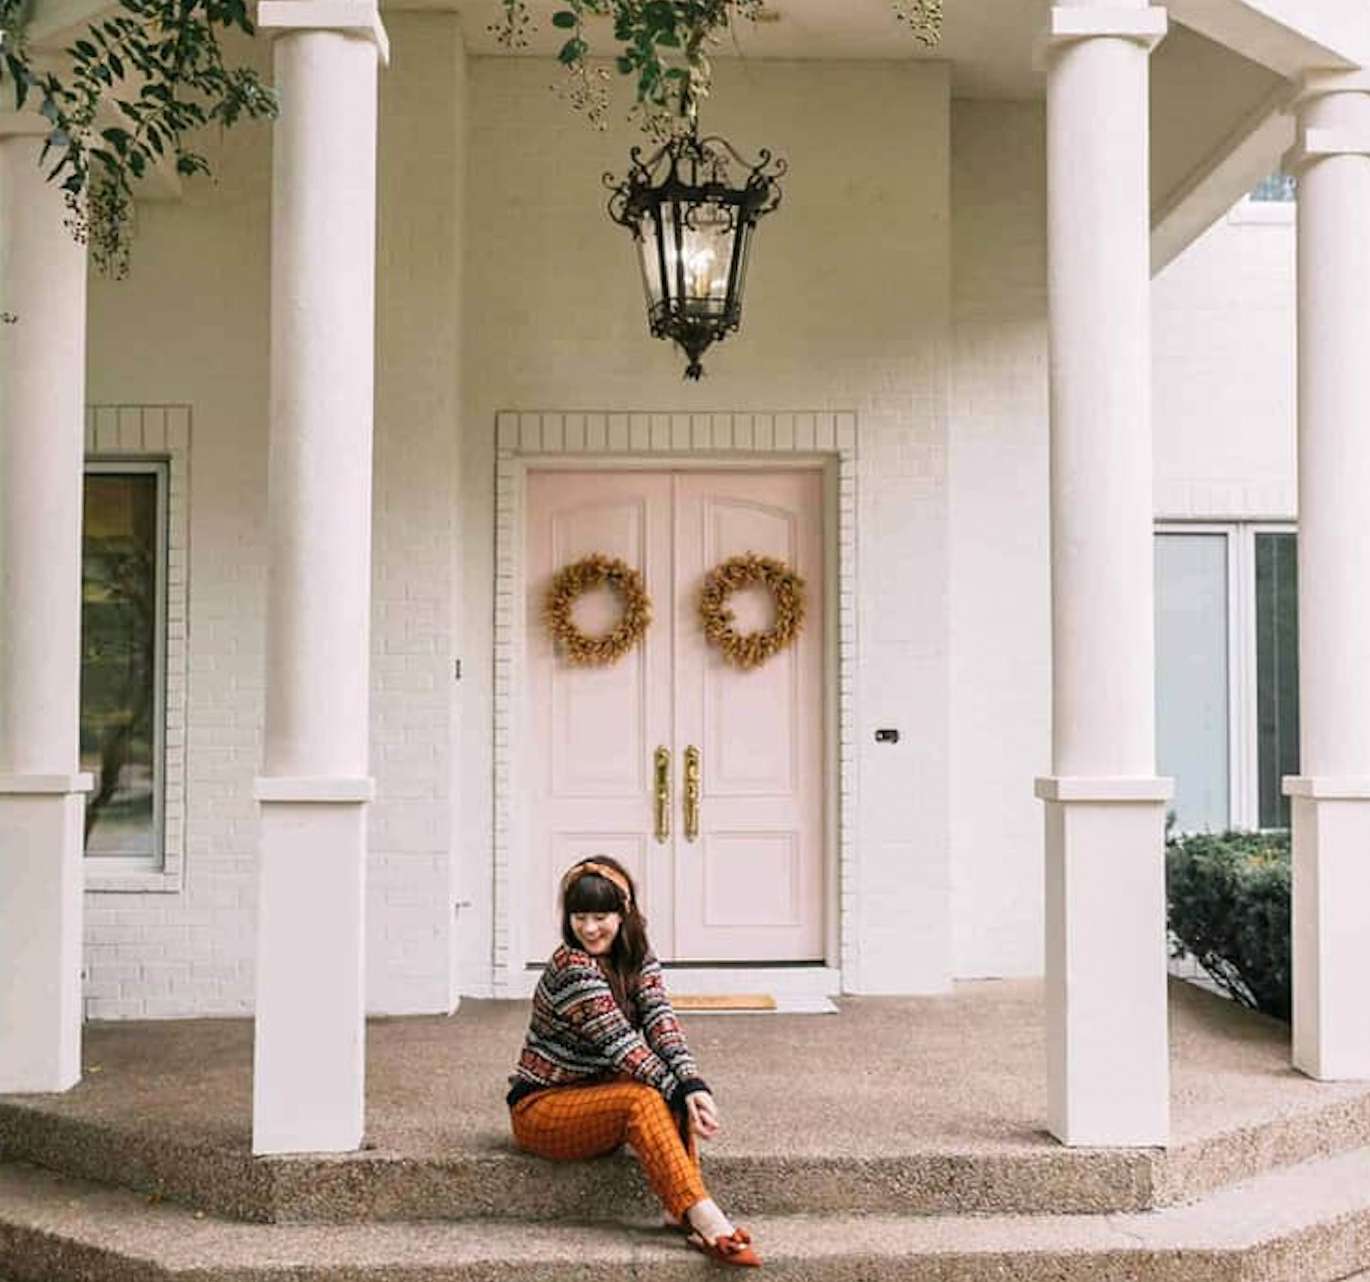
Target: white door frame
645 440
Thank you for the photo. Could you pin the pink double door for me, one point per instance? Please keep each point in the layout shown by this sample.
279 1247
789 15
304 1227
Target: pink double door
603 744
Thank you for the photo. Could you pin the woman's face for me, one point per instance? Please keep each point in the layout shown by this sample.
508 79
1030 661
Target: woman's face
596 931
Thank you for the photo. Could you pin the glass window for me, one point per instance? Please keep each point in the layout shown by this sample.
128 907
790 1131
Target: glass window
1276 187
1277 673
122 586
1192 680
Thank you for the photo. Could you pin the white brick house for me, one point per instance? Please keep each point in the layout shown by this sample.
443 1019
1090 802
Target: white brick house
959 270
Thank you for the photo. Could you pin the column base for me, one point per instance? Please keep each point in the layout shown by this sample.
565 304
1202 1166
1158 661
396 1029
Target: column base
1330 926
42 841
1108 1072
308 1085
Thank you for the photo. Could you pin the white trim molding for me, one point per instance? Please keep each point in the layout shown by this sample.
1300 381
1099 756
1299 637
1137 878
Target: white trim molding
1146 26
117 433
685 439
1090 788
351 17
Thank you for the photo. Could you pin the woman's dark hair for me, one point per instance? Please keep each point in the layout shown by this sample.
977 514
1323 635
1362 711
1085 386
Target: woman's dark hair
591 893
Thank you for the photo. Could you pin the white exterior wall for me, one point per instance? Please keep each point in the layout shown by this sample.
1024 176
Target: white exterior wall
903 279
846 310
1223 392
1000 631
189 326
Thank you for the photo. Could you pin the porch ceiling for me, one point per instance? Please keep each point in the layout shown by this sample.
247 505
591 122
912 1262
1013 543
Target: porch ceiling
988 42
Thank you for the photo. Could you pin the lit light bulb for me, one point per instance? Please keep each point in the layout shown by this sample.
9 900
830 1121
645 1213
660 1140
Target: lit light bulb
699 268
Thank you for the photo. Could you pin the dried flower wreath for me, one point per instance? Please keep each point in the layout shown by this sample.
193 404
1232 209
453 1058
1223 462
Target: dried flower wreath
569 582
786 589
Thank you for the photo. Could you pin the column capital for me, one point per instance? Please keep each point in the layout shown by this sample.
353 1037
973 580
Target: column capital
1146 25
1318 84
353 17
1313 144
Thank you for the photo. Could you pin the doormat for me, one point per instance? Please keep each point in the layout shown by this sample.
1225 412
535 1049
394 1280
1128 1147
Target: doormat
724 1001
752 1004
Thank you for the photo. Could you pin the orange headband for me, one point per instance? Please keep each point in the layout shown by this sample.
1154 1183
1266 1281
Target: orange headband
602 870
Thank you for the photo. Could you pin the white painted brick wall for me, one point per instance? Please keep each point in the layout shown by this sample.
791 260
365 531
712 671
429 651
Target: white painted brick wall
846 309
1223 326
192 952
1000 551
851 306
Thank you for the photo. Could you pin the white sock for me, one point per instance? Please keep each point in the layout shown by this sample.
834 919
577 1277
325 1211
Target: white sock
710 1222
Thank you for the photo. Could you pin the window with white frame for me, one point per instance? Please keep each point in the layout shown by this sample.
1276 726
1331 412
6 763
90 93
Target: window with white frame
1227 700
123 658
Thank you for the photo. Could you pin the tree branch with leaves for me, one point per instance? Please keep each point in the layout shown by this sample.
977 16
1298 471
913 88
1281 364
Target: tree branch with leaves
125 98
664 48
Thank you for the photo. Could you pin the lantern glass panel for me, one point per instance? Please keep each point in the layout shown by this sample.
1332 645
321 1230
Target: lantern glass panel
708 251
649 259
744 253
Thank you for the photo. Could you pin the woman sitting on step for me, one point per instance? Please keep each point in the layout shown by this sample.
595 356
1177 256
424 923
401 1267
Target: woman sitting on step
605 1061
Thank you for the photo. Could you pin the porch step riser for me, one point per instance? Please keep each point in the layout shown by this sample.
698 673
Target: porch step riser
513 1186
1307 1224
1323 1254
503 1184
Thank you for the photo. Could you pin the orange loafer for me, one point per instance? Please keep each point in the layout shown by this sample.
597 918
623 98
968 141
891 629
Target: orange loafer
734 1248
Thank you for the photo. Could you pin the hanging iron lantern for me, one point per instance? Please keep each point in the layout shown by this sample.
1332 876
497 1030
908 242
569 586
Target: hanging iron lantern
693 231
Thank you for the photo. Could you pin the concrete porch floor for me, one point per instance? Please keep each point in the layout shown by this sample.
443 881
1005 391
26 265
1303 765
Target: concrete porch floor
939 1102
899 1141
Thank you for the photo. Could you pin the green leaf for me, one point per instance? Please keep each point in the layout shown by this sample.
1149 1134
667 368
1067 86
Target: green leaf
564 18
21 82
572 51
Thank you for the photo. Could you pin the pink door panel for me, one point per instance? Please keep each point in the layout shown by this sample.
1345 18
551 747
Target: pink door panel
750 888
591 732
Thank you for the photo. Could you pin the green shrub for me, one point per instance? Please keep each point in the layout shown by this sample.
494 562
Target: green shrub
1229 906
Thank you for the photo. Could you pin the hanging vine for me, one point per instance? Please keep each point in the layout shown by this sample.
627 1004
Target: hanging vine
136 84
663 47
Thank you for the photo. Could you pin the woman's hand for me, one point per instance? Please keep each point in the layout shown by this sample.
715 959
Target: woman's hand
703 1114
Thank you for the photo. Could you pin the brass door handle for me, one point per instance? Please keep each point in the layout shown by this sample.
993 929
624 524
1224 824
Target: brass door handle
662 794
692 793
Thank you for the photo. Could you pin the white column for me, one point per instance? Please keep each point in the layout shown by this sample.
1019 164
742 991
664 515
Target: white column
42 806
1107 1070
1331 798
309 1069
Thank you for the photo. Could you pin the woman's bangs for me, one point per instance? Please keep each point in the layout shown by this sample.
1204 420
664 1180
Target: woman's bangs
591 893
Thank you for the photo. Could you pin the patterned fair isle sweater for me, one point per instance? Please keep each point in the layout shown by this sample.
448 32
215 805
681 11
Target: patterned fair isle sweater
578 1034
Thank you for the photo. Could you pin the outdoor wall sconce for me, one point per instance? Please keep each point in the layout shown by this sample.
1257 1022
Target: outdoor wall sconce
693 232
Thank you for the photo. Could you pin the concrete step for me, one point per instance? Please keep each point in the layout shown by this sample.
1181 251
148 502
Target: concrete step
1309 1223
488 1179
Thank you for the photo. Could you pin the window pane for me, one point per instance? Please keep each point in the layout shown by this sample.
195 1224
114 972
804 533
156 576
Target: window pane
119 662
1192 677
1277 672
1276 187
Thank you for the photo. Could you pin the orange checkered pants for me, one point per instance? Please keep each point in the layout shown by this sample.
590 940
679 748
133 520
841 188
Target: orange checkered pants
569 1122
